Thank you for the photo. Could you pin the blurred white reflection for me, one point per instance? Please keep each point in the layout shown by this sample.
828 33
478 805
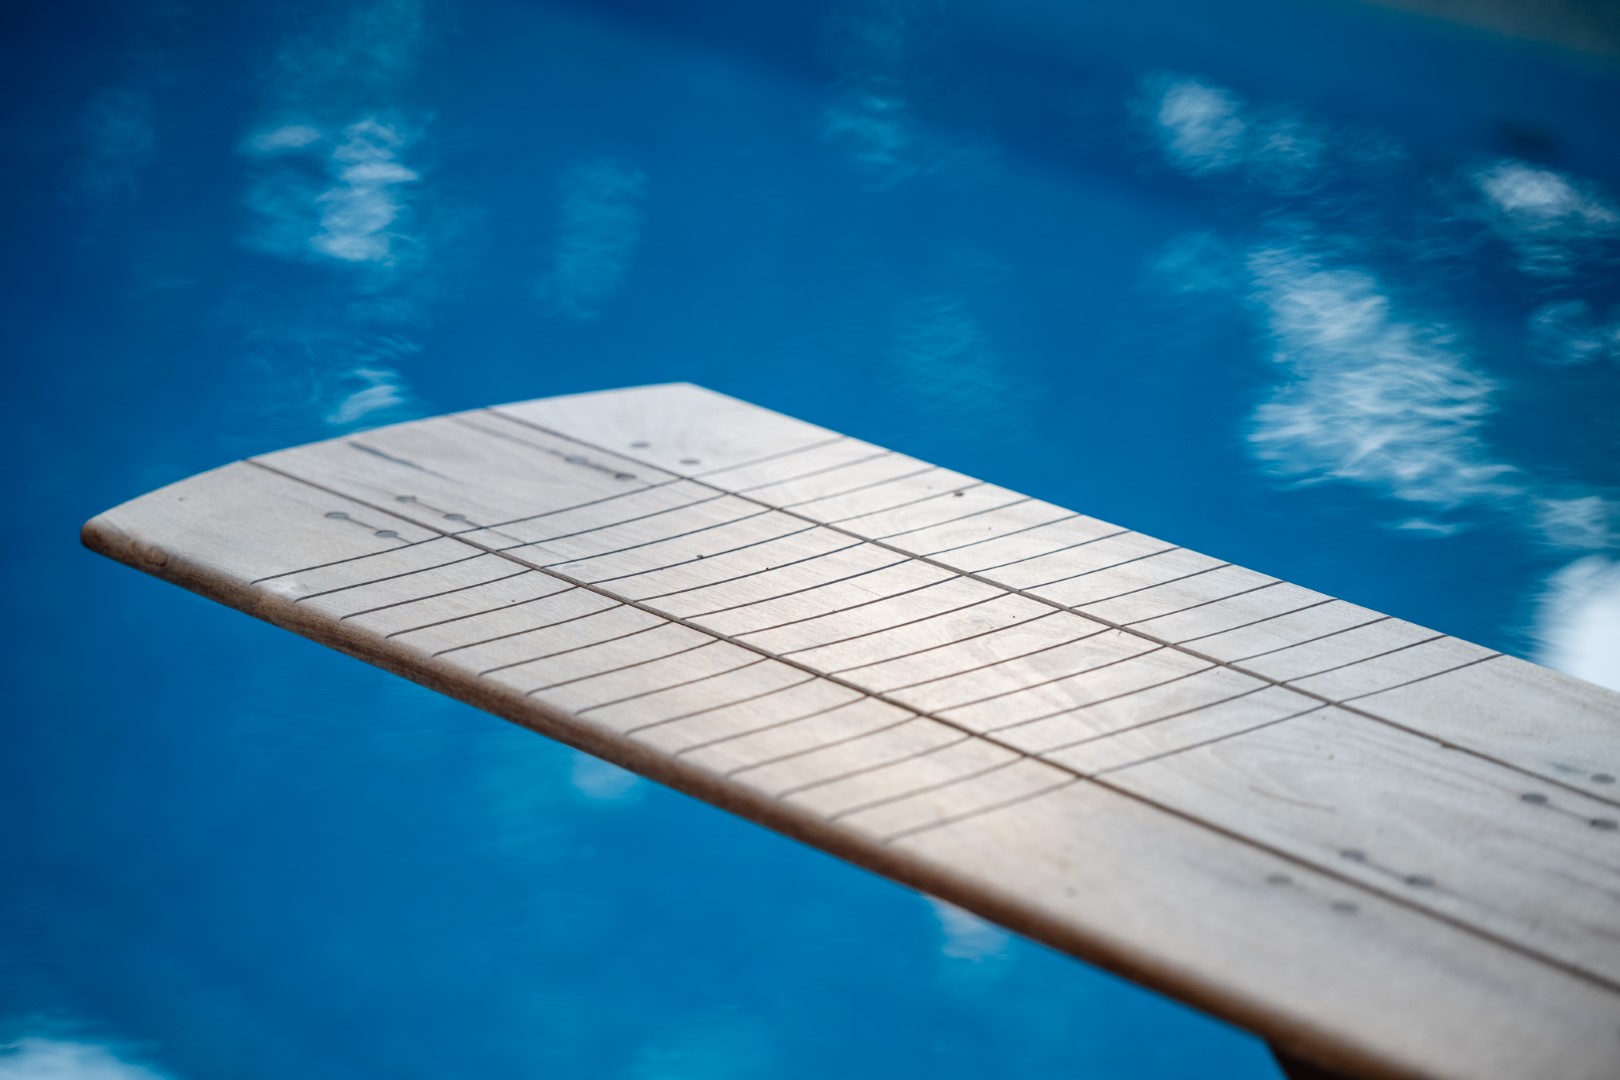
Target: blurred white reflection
1204 129
1578 621
598 231
1564 333
966 936
40 1058
1371 397
1580 521
725 1045
887 53
381 391
603 782
1548 218
1376 387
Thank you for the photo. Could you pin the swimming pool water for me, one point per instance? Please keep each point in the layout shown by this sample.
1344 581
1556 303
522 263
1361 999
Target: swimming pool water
1319 289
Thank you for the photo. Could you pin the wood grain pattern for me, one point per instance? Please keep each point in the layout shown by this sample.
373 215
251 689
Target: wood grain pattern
1388 851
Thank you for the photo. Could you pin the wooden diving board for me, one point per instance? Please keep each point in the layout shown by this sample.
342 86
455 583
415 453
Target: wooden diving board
1390 852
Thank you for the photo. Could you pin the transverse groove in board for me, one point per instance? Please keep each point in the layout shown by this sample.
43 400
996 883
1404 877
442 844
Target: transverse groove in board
894 660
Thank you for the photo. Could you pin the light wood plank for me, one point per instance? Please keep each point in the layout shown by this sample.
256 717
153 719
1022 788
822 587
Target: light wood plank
679 427
1281 631
991 784
1538 720
1274 944
1395 668
484 633
1335 651
1245 610
817 458
821 715
857 578
356 584
1097 667
562 523
1089 589
1027 544
883 615
418 616
1135 708
1035 631
728 728
460 470
951 518
217 518
921 636
815 494
707 571
1146 740
1045 568
679 667
879 656
1177 597
733 528
841 758
906 489
1475 841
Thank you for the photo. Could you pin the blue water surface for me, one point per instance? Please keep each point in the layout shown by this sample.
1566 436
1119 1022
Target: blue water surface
1317 288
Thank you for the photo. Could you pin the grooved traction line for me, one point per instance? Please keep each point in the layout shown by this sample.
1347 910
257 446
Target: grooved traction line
951 521
1205 603
1352 663
387 577
901 626
942 645
864 487
594 528
864 770
1197 745
485 611
529 629
775 456
913 502
1054 551
649 725
431 596
741 577
816 472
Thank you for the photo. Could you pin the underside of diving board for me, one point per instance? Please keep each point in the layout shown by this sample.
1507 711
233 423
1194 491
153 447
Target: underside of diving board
1388 851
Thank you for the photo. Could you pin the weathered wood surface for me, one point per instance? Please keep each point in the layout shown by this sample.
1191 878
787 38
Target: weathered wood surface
1389 851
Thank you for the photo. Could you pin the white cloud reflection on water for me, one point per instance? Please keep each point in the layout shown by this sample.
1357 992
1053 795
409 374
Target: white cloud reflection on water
120 140
944 356
382 393
888 54
329 186
1205 129
722 1045
1200 126
38 1057
1549 219
965 936
1577 627
1374 391
1568 333
599 228
345 204
602 781
1371 397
